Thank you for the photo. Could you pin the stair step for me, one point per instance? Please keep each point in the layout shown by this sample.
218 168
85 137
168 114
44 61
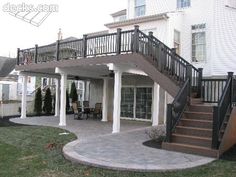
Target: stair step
200 108
198 115
196 101
192 140
194 131
191 149
196 123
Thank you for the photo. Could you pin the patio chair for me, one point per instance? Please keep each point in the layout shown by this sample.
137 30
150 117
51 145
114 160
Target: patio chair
76 109
86 108
97 111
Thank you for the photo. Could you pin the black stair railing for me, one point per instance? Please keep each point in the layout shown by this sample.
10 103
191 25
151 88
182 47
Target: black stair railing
220 111
177 107
212 89
166 60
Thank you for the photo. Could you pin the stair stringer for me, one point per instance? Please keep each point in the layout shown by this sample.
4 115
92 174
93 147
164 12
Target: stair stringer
143 63
229 137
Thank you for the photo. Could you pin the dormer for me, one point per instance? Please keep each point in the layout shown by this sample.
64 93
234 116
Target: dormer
119 16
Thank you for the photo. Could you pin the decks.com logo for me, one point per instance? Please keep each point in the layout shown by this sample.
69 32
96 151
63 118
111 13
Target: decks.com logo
33 14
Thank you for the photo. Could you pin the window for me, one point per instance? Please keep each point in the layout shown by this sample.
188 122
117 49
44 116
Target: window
136 103
140 8
183 3
177 41
198 43
122 18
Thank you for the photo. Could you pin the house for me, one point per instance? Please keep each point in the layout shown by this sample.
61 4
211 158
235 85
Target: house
197 30
148 67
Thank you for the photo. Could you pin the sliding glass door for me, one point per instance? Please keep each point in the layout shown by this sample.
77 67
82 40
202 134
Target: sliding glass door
136 103
127 102
144 103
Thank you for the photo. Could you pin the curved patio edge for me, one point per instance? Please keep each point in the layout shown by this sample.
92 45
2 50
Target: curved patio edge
71 155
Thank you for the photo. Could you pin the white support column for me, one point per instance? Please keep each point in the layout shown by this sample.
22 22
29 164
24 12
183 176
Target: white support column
162 105
23 100
155 105
117 101
57 98
87 90
63 100
105 100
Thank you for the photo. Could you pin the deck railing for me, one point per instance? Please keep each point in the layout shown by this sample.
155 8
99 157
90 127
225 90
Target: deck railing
212 89
220 111
122 42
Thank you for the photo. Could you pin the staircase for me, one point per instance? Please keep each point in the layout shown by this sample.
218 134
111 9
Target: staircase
198 116
193 133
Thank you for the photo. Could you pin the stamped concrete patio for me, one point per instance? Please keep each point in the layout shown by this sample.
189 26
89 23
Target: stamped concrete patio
97 146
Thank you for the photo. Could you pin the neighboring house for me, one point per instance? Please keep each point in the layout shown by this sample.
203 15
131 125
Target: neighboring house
8 80
152 72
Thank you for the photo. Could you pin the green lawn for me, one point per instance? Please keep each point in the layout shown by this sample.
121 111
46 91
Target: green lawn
25 151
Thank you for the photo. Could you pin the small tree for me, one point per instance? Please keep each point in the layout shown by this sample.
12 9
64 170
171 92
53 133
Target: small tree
67 101
38 102
73 93
54 103
47 107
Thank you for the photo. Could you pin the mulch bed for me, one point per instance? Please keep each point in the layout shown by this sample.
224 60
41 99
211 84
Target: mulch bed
153 144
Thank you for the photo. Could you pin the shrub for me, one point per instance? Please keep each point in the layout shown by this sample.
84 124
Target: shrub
38 102
73 93
156 133
48 102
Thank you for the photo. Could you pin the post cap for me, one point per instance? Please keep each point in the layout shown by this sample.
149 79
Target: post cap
173 50
136 26
230 73
150 33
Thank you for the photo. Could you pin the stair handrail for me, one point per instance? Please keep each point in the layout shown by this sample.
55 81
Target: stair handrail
167 59
220 111
176 109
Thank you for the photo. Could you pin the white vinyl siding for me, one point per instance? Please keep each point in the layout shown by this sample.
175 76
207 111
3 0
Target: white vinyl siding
231 3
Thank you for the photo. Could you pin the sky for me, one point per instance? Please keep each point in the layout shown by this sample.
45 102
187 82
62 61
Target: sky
74 17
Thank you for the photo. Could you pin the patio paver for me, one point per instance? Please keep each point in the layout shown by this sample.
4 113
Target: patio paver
96 146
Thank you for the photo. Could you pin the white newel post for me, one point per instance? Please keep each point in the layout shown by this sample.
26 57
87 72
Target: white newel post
23 100
117 101
105 100
63 100
155 105
57 98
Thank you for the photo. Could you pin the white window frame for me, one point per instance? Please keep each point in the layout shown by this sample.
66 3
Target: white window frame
178 50
183 4
199 28
138 7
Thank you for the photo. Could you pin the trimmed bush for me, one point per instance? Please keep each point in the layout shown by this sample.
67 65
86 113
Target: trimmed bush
38 102
73 93
47 107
